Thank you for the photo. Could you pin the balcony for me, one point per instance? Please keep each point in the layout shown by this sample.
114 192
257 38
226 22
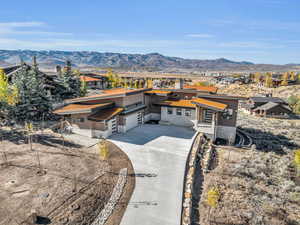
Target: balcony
207 128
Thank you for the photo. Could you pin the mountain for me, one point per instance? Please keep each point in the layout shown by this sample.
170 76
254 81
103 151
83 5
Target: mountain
154 61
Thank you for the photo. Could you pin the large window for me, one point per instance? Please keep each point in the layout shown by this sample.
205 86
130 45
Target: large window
178 112
207 116
78 120
170 110
188 112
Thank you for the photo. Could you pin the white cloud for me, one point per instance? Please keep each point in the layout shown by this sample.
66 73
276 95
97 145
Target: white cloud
22 24
22 28
200 35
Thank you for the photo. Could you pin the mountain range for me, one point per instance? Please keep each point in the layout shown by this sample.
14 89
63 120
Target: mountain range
152 61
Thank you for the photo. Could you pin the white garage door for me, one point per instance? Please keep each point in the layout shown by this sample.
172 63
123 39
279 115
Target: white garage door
131 121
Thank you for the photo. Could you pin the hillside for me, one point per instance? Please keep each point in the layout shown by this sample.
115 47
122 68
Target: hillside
153 61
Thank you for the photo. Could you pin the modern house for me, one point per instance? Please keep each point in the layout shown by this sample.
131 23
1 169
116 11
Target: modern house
118 110
268 107
111 111
94 81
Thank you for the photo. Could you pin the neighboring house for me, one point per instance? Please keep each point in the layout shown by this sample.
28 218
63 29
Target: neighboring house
120 109
268 107
94 81
13 71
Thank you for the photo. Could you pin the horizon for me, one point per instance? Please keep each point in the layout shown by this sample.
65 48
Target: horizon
53 50
260 31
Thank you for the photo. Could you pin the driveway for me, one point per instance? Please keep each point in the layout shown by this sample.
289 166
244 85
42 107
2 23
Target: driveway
158 154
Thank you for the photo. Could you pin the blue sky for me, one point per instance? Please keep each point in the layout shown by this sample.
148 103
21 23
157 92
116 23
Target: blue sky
261 31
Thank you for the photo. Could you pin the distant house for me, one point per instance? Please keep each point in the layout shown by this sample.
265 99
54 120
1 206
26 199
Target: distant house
268 107
94 81
13 71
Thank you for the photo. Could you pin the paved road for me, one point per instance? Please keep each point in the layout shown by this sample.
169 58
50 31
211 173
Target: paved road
158 154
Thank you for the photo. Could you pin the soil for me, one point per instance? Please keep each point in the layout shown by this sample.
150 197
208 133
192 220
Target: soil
62 183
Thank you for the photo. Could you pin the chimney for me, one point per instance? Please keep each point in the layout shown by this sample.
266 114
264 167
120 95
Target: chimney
58 70
68 66
179 84
34 62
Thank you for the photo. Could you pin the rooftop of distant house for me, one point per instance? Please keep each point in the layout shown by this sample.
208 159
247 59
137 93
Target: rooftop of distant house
89 79
203 88
267 99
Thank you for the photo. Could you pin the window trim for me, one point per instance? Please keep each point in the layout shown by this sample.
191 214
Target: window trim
178 111
188 112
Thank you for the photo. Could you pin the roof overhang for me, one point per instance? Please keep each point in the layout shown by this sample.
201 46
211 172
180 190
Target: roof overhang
204 103
79 109
105 114
227 97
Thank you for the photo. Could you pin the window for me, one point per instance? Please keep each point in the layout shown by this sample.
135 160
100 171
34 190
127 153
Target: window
178 112
208 115
228 114
170 110
188 112
80 120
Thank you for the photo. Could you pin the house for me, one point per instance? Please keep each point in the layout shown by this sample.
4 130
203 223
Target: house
111 111
13 71
94 81
268 107
120 109
215 115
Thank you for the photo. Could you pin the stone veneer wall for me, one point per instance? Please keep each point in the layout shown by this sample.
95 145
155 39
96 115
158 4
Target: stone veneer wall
114 198
187 207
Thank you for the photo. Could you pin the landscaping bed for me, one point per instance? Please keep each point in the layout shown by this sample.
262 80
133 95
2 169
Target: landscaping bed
59 181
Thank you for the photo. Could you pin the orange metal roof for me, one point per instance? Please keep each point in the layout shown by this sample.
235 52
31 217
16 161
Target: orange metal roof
202 88
106 114
177 103
87 79
116 92
210 104
80 108
157 92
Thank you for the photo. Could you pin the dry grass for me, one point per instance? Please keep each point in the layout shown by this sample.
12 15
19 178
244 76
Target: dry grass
256 188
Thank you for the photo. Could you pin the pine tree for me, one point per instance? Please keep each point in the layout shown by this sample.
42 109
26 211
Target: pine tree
69 84
32 98
83 88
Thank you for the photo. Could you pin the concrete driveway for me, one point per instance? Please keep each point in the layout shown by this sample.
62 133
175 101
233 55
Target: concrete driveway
158 154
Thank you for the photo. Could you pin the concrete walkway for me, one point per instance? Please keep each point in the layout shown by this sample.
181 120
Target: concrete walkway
158 154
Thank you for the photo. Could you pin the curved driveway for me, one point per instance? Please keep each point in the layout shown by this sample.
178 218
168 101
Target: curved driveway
158 154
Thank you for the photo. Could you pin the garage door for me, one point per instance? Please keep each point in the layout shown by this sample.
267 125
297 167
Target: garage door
131 121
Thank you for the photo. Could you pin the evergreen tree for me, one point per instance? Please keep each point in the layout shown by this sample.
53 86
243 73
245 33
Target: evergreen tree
69 84
33 100
83 88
